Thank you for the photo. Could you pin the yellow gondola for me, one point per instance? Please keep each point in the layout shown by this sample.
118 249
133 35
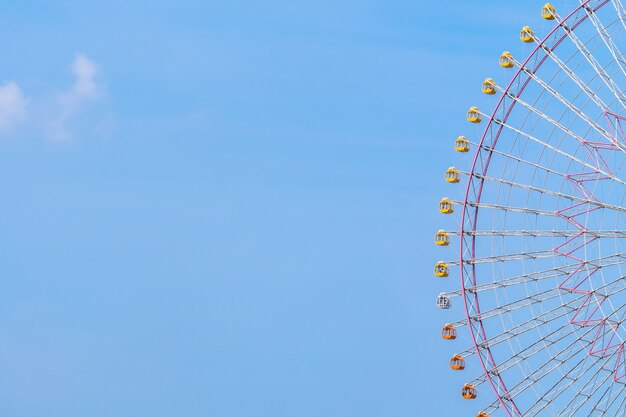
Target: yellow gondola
489 86
442 238
461 144
482 414
526 35
441 269
473 115
548 12
445 206
506 60
453 175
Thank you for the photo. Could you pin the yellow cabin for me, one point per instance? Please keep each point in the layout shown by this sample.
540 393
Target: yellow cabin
489 86
441 269
506 60
457 363
526 35
445 206
442 238
548 12
473 115
453 175
448 332
469 392
482 414
443 301
461 144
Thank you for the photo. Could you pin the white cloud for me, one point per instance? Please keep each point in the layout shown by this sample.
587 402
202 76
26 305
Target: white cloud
71 102
59 114
85 72
13 105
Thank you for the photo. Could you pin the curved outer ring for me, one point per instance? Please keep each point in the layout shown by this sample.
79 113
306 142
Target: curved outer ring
472 308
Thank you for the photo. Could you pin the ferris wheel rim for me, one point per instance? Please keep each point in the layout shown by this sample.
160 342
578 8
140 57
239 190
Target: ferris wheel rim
503 394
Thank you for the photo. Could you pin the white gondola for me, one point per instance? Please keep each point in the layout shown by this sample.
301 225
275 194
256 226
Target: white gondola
443 301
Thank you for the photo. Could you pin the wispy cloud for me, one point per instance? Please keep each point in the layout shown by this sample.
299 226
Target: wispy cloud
85 71
70 103
13 106
55 116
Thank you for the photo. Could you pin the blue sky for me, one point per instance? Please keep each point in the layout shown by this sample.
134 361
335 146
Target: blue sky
227 208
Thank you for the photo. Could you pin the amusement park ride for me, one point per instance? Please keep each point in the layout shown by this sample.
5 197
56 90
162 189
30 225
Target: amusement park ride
541 238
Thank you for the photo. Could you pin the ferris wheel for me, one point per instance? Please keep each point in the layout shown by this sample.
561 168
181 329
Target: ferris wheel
540 239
